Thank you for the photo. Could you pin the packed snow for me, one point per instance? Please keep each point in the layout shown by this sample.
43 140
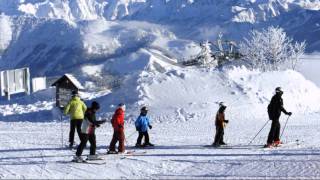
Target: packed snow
131 51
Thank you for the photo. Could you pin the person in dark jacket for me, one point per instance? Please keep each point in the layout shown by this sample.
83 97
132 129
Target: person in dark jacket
220 123
88 132
118 130
274 111
142 124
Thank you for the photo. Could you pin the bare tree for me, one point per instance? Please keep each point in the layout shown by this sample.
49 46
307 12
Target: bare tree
297 50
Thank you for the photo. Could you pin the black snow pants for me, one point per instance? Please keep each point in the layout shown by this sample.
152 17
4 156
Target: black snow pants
218 139
274 134
74 124
84 140
146 137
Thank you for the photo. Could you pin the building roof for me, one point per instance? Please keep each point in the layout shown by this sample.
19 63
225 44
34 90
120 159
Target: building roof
71 78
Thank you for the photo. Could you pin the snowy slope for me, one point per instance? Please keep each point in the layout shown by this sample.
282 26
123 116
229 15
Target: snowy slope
130 51
33 150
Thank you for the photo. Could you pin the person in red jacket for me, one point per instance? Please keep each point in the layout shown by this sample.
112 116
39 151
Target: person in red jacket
118 130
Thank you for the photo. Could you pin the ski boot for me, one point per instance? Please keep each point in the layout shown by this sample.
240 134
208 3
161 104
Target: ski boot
148 144
268 145
112 152
78 159
216 145
123 152
222 143
70 145
138 145
277 143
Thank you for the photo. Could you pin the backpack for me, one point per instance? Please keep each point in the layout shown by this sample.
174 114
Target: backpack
270 111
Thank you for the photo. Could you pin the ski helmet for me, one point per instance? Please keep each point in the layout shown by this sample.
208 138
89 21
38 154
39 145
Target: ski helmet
95 105
144 109
279 90
221 104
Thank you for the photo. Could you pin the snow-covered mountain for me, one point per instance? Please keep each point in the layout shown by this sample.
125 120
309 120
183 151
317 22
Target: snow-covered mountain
130 40
27 34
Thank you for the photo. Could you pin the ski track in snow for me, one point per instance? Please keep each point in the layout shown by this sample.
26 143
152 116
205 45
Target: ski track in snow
33 150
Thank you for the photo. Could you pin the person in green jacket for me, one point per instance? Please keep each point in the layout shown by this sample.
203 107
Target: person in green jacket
76 109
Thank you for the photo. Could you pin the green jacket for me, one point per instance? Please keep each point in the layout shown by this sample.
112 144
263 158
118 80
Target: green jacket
75 108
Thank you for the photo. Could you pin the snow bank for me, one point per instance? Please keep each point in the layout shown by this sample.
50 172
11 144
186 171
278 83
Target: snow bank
300 94
190 92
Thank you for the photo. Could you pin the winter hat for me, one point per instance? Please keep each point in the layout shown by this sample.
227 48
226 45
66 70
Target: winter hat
123 106
144 108
95 105
75 93
221 104
279 90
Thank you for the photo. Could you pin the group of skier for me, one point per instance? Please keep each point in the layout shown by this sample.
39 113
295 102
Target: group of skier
274 111
84 120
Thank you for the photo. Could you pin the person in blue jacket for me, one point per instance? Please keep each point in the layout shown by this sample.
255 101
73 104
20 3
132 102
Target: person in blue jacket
142 124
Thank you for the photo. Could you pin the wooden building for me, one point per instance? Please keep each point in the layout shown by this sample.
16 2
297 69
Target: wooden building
64 87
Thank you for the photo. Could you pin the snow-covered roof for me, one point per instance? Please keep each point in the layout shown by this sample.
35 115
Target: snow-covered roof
74 81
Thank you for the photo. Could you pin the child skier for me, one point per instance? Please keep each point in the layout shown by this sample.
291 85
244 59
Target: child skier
142 124
220 123
274 111
88 133
118 130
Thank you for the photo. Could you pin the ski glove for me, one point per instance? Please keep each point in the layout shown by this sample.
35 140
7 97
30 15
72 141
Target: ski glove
289 113
226 121
150 126
120 127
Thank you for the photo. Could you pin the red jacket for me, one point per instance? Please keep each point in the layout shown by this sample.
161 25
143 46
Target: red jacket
118 120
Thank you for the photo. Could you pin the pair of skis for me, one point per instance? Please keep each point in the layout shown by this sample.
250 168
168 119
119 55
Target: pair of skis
100 157
242 146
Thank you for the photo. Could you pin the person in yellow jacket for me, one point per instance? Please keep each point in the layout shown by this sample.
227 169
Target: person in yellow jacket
76 109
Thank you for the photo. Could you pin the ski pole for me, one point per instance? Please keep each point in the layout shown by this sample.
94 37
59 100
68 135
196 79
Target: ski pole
258 132
61 128
285 125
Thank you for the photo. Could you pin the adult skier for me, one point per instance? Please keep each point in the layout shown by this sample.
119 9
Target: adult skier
76 109
220 124
88 132
118 130
142 124
274 111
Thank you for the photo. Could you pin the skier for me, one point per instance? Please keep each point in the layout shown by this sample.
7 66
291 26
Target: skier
274 111
142 124
88 133
76 109
220 123
118 130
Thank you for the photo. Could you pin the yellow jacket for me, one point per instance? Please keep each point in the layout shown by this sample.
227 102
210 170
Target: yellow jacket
75 108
